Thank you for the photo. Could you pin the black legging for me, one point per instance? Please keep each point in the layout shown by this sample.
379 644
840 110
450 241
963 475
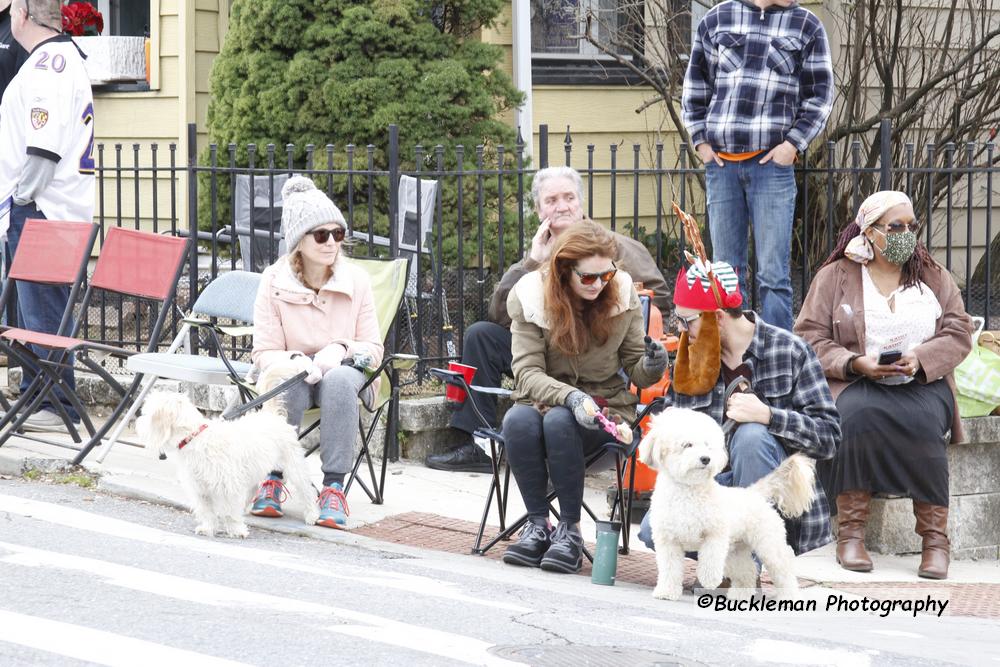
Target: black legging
553 446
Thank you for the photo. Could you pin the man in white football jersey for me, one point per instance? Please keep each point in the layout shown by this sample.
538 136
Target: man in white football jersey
46 158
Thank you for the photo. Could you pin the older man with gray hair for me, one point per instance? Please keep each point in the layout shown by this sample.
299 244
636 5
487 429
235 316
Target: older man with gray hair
558 196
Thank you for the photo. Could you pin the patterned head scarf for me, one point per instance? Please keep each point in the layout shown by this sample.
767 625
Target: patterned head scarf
872 209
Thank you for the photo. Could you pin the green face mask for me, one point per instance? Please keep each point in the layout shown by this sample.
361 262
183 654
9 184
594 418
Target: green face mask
899 247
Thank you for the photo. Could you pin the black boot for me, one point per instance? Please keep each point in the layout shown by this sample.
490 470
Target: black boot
464 458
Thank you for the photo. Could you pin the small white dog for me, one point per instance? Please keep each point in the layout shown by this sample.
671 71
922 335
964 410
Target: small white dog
690 511
221 463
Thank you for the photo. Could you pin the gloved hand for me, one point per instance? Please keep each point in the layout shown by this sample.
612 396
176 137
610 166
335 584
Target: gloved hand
584 409
655 359
363 361
330 356
304 363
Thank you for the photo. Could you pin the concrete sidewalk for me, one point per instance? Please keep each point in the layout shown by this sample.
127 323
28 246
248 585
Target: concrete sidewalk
430 509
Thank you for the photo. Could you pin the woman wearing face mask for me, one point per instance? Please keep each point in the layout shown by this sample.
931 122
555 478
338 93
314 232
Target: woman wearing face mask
576 323
880 294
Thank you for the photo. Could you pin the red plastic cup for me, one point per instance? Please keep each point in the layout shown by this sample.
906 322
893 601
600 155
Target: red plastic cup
453 393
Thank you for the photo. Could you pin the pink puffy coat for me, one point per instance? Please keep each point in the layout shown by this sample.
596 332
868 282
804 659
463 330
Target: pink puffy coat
337 322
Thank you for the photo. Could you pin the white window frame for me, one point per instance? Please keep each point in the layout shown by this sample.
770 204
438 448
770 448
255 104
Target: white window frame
586 50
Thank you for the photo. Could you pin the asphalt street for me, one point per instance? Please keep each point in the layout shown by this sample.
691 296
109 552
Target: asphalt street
88 578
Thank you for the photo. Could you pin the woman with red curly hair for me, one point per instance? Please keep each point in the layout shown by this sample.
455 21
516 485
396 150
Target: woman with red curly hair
576 324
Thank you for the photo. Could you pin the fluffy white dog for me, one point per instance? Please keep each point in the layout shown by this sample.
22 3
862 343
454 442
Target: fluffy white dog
690 511
221 463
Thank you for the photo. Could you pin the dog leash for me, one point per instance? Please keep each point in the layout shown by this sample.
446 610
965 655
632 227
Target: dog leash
734 386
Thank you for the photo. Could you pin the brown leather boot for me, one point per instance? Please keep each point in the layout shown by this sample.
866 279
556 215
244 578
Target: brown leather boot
932 526
852 515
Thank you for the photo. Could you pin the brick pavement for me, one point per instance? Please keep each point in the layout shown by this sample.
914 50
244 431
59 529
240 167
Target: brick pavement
439 533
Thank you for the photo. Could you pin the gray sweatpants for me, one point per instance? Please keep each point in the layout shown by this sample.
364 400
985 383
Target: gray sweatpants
337 397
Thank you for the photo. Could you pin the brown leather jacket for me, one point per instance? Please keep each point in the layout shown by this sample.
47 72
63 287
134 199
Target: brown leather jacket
832 320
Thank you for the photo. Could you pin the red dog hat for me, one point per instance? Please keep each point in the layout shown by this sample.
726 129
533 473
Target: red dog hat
693 289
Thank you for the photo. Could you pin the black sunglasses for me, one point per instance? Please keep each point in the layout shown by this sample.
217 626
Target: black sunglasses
591 278
323 235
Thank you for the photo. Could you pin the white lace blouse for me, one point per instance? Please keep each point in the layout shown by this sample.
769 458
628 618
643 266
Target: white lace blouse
915 319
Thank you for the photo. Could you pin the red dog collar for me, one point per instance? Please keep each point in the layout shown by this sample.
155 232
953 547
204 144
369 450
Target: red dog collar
185 441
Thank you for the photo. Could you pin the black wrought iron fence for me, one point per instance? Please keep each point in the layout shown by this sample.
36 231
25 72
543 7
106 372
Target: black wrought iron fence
481 219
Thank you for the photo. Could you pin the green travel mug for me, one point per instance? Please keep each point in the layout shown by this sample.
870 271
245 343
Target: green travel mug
606 554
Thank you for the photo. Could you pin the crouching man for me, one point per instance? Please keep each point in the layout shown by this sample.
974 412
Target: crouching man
787 407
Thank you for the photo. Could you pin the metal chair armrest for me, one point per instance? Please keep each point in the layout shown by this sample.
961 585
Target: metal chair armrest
239 410
496 391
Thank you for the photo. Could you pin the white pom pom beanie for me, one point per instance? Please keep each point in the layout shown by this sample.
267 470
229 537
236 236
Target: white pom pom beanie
304 208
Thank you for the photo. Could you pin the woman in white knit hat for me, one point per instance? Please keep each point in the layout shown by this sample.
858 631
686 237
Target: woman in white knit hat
319 311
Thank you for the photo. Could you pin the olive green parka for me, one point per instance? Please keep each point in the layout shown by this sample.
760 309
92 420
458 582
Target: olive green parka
544 376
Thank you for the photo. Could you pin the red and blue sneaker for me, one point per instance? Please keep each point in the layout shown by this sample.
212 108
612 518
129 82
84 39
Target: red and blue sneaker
333 508
270 495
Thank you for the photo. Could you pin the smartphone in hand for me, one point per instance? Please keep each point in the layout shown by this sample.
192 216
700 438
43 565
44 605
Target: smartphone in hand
889 357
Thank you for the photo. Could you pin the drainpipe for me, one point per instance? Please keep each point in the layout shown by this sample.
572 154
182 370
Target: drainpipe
522 70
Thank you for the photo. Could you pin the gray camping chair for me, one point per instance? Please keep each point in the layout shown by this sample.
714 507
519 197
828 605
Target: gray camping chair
414 231
257 220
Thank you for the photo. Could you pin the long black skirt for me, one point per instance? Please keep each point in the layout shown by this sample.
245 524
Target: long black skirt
894 440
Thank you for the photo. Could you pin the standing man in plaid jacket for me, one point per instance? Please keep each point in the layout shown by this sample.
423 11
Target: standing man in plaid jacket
783 407
758 90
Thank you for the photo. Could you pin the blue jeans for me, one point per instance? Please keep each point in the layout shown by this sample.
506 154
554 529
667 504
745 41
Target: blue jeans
764 194
753 453
39 308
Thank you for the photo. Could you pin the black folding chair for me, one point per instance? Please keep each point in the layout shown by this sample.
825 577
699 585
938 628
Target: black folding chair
622 506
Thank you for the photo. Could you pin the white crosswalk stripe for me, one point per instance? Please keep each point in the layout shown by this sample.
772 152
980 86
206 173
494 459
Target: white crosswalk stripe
80 520
108 648
372 627
98 646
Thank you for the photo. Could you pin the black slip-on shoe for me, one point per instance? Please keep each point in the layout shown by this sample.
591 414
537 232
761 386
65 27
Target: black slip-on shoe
464 458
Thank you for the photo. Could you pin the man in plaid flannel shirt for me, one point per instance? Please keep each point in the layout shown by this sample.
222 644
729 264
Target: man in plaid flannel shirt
758 89
789 407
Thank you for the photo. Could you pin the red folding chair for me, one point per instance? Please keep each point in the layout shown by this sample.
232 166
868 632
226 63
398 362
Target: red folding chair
51 252
132 263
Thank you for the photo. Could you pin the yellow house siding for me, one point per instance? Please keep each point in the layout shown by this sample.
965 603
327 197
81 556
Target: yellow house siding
604 109
145 116
600 115
206 25
142 118
207 45
502 31
185 39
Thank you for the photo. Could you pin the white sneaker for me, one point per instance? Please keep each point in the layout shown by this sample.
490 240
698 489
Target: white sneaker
44 420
